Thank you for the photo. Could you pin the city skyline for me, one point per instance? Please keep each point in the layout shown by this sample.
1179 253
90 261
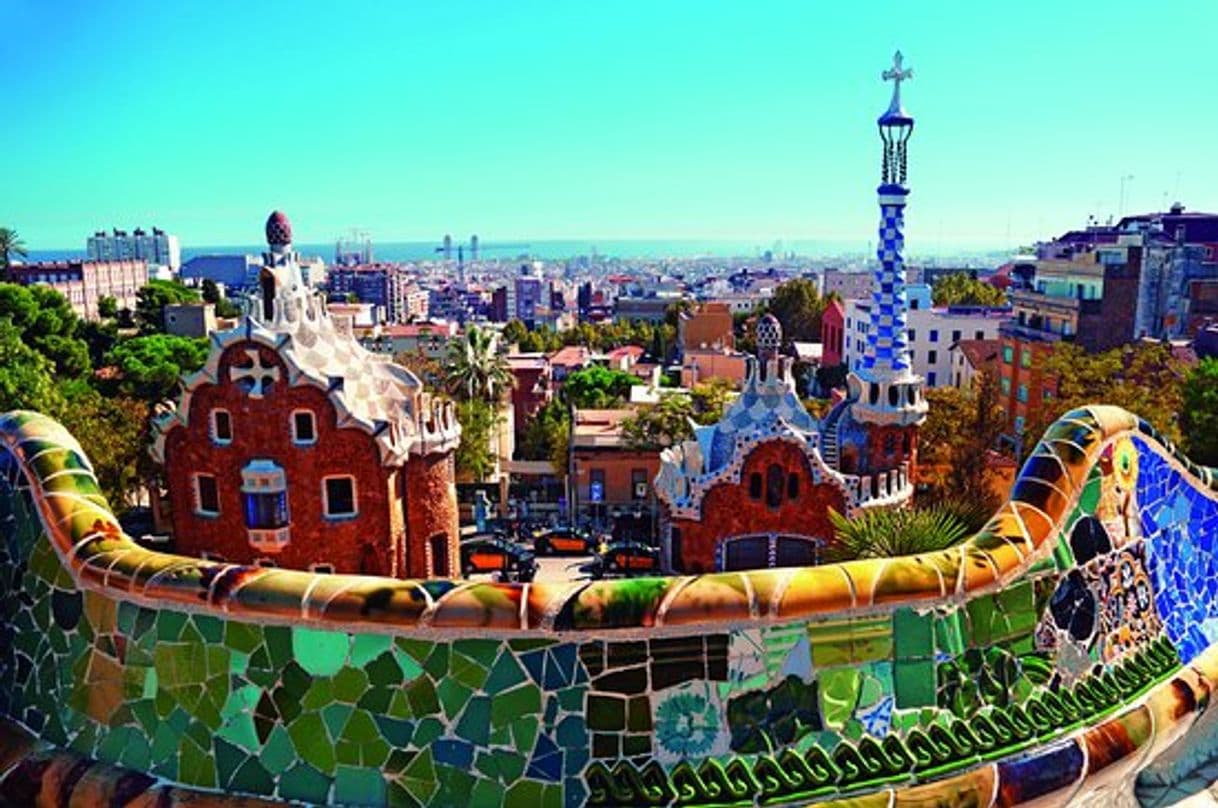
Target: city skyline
636 123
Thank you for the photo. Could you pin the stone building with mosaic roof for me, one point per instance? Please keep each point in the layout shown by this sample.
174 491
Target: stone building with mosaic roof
756 489
296 447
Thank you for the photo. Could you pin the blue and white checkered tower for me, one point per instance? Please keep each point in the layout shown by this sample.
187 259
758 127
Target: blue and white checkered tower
884 388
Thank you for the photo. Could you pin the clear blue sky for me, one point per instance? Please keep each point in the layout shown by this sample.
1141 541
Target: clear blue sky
611 120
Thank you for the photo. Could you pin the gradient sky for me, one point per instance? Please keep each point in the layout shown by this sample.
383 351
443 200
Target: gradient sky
657 119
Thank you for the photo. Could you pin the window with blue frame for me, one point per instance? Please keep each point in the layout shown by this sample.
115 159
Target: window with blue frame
264 495
266 510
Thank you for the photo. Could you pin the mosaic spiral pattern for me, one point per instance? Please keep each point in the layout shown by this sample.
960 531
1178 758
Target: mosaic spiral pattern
1051 655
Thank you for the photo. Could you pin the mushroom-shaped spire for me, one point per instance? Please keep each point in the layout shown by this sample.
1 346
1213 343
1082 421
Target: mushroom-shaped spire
769 337
278 229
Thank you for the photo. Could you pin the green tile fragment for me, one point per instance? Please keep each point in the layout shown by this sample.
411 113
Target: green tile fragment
349 684
321 653
367 647
475 722
523 700
914 683
243 637
303 782
505 674
277 753
312 741
912 634
355 786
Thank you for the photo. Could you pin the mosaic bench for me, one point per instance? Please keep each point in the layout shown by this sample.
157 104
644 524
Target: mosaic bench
1064 654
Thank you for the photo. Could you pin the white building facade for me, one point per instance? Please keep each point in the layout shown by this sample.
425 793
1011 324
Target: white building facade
156 247
931 333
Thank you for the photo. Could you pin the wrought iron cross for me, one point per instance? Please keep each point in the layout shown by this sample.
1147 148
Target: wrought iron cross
260 375
896 75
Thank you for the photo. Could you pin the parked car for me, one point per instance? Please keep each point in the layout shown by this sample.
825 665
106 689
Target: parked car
564 541
488 554
625 558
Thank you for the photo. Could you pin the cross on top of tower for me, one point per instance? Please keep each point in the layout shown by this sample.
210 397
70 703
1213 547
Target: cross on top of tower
896 75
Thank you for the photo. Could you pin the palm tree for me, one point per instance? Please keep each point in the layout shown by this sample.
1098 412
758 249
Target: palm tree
475 369
10 245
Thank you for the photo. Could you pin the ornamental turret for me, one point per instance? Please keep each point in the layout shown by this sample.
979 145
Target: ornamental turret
884 388
282 293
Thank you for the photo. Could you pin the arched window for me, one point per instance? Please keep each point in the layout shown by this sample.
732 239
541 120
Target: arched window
890 444
755 486
792 486
775 482
906 444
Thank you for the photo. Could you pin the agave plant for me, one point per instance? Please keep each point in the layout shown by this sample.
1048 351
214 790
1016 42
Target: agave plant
890 533
974 514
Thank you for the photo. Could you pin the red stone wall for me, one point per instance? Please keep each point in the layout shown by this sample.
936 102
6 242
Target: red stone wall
728 510
880 460
431 508
262 429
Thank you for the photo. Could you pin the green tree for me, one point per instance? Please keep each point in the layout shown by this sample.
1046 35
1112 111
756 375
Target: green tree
107 308
152 299
710 399
961 289
597 388
227 308
428 370
514 332
655 426
11 246
1143 377
149 366
892 533
545 436
99 336
48 324
829 377
114 432
672 419
799 307
476 370
26 377
224 306
955 441
475 456
1199 412
210 291
672 314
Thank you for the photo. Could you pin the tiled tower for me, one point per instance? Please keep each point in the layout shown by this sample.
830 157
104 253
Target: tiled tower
885 389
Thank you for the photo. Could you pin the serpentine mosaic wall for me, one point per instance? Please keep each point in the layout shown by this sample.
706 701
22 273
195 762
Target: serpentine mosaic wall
1068 643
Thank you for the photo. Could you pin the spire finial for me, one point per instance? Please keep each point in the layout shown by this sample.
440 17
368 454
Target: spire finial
896 75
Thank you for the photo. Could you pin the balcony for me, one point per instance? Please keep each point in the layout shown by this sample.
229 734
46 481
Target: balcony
270 540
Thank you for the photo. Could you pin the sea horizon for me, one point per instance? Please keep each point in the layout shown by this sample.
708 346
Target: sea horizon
564 249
